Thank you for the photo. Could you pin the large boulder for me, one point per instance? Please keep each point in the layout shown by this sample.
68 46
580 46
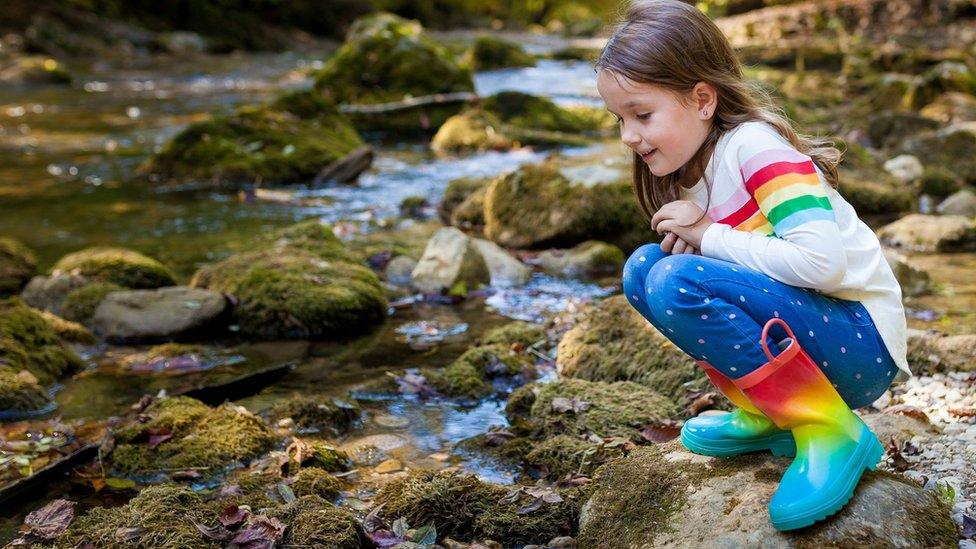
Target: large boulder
612 342
666 496
487 53
387 59
49 292
116 265
536 207
451 262
290 141
17 266
890 128
929 352
959 203
947 76
504 270
29 343
589 259
931 233
457 192
176 312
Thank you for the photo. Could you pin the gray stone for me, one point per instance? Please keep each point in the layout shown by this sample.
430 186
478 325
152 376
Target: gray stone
936 352
173 312
913 279
591 258
930 233
48 292
398 270
959 203
899 426
505 270
905 168
451 258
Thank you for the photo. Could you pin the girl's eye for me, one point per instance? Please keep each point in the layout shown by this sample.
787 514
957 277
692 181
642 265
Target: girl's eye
644 116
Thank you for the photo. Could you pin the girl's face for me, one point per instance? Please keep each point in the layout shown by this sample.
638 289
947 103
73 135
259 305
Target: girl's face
654 122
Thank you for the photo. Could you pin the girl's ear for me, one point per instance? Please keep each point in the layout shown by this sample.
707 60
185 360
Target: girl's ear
705 99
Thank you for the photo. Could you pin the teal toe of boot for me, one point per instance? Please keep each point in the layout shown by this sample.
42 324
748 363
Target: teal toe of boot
823 477
734 433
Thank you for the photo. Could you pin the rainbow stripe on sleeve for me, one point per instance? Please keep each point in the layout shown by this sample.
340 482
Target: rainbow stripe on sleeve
787 188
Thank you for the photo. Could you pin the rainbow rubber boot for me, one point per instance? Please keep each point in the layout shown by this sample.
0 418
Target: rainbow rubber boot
833 445
742 430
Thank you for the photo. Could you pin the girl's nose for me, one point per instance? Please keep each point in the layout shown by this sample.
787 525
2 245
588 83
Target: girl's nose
629 137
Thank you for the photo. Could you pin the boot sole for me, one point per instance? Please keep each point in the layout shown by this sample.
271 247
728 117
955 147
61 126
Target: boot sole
780 444
840 492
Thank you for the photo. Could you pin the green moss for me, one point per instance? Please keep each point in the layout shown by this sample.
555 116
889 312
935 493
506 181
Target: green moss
459 380
314 522
80 304
633 500
389 60
315 481
592 258
938 181
456 192
508 525
469 375
488 53
170 350
515 333
17 266
117 265
162 516
890 129
293 294
618 409
530 112
471 212
67 330
564 454
205 438
413 206
321 455
258 145
314 237
519 405
318 413
944 77
472 130
20 394
876 196
612 342
28 342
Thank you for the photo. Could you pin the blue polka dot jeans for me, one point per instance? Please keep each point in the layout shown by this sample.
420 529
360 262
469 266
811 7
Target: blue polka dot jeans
715 310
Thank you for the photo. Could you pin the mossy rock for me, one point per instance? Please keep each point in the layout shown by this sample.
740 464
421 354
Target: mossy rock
288 293
463 507
314 522
515 333
470 374
890 128
117 265
17 266
388 60
590 259
618 409
210 439
939 182
321 414
565 454
878 195
471 212
472 130
459 380
28 342
258 144
953 148
20 394
69 331
947 76
314 237
530 112
163 516
321 455
80 304
488 53
457 192
537 207
660 496
312 481
612 342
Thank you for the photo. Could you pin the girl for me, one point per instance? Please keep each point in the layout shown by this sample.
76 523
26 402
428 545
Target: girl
759 248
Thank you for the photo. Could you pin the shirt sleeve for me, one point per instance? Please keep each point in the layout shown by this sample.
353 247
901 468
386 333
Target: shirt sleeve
806 248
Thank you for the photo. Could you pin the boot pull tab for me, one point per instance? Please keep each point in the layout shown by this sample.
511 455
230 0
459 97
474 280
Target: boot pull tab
765 334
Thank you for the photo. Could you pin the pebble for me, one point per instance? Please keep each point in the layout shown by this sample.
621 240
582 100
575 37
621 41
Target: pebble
391 421
389 466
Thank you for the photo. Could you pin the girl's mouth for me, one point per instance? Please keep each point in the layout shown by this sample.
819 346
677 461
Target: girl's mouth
647 156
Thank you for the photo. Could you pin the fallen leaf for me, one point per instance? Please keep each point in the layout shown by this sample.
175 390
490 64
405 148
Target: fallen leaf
906 410
385 539
703 402
400 527
187 474
898 461
287 494
52 520
373 522
425 535
216 532
116 483
660 432
232 516
530 508
158 436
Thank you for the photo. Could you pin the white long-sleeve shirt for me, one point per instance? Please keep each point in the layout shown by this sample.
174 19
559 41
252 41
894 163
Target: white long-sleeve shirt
775 213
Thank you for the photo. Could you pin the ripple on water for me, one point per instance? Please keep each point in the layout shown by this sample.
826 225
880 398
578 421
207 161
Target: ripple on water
565 82
543 296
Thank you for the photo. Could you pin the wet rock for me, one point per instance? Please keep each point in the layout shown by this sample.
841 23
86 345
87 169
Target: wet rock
116 265
470 213
32 70
450 262
389 59
180 433
953 148
472 130
29 343
165 313
928 352
589 259
938 181
69 331
80 305
398 271
301 287
517 333
959 203
905 168
690 499
321 414
347 168
529 112
463 507
17 266
612 342
914 281
578 407
504 270
536 207
947 76
488 53
49 292
930 233
470 374
456 192
289 141
20 393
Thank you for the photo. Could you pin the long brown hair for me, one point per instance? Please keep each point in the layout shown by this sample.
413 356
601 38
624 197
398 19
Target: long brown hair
672 44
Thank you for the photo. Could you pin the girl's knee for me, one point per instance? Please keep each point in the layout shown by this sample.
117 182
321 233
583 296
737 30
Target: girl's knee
637 265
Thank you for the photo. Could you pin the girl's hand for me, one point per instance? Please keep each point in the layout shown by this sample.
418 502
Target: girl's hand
674 245
683 218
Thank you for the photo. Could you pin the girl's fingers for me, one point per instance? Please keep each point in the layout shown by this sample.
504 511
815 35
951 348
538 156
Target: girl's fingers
668 242
679 247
